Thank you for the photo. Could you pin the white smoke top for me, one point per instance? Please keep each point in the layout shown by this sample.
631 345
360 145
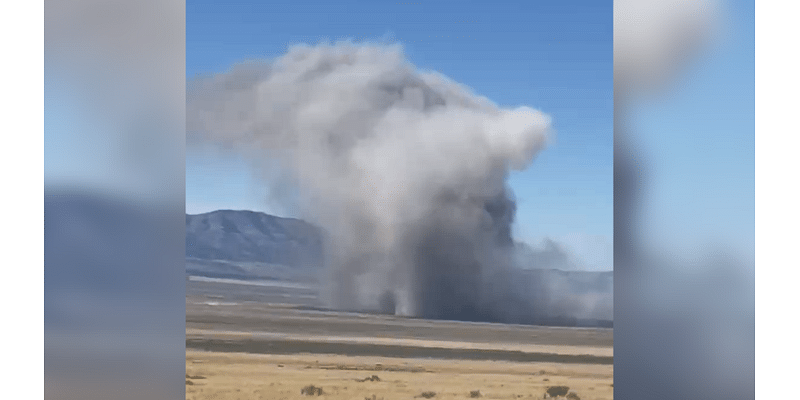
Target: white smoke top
388 159
655 39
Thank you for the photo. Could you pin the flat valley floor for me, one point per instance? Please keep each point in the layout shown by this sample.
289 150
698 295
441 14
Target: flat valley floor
246 341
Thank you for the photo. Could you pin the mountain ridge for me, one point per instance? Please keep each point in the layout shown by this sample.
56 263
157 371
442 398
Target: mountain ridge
252 236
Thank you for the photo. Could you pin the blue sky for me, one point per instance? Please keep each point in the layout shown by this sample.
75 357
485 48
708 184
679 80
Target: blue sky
699 146
555 56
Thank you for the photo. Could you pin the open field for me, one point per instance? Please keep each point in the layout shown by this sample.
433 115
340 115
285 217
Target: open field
242 344
215 375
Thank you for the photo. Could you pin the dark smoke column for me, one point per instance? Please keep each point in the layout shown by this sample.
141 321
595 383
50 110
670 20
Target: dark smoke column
462 266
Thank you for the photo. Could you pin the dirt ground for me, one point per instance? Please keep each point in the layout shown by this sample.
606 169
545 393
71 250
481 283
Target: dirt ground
253 342
215 375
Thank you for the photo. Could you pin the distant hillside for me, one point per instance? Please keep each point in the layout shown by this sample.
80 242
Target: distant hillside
571 281
249 244
249 236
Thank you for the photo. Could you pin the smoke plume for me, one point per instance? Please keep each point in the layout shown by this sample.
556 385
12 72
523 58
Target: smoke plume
404 169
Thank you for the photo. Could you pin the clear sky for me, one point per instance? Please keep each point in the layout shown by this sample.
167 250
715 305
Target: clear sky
555 56
699 145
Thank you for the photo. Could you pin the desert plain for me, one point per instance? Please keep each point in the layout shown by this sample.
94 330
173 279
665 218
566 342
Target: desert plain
255 341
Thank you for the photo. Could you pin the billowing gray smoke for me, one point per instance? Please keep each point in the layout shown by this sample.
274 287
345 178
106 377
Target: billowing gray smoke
405 170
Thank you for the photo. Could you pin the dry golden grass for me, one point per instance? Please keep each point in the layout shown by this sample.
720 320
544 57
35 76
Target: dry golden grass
213 375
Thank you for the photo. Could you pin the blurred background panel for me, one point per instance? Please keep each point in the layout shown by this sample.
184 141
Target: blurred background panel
114 199
684 199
